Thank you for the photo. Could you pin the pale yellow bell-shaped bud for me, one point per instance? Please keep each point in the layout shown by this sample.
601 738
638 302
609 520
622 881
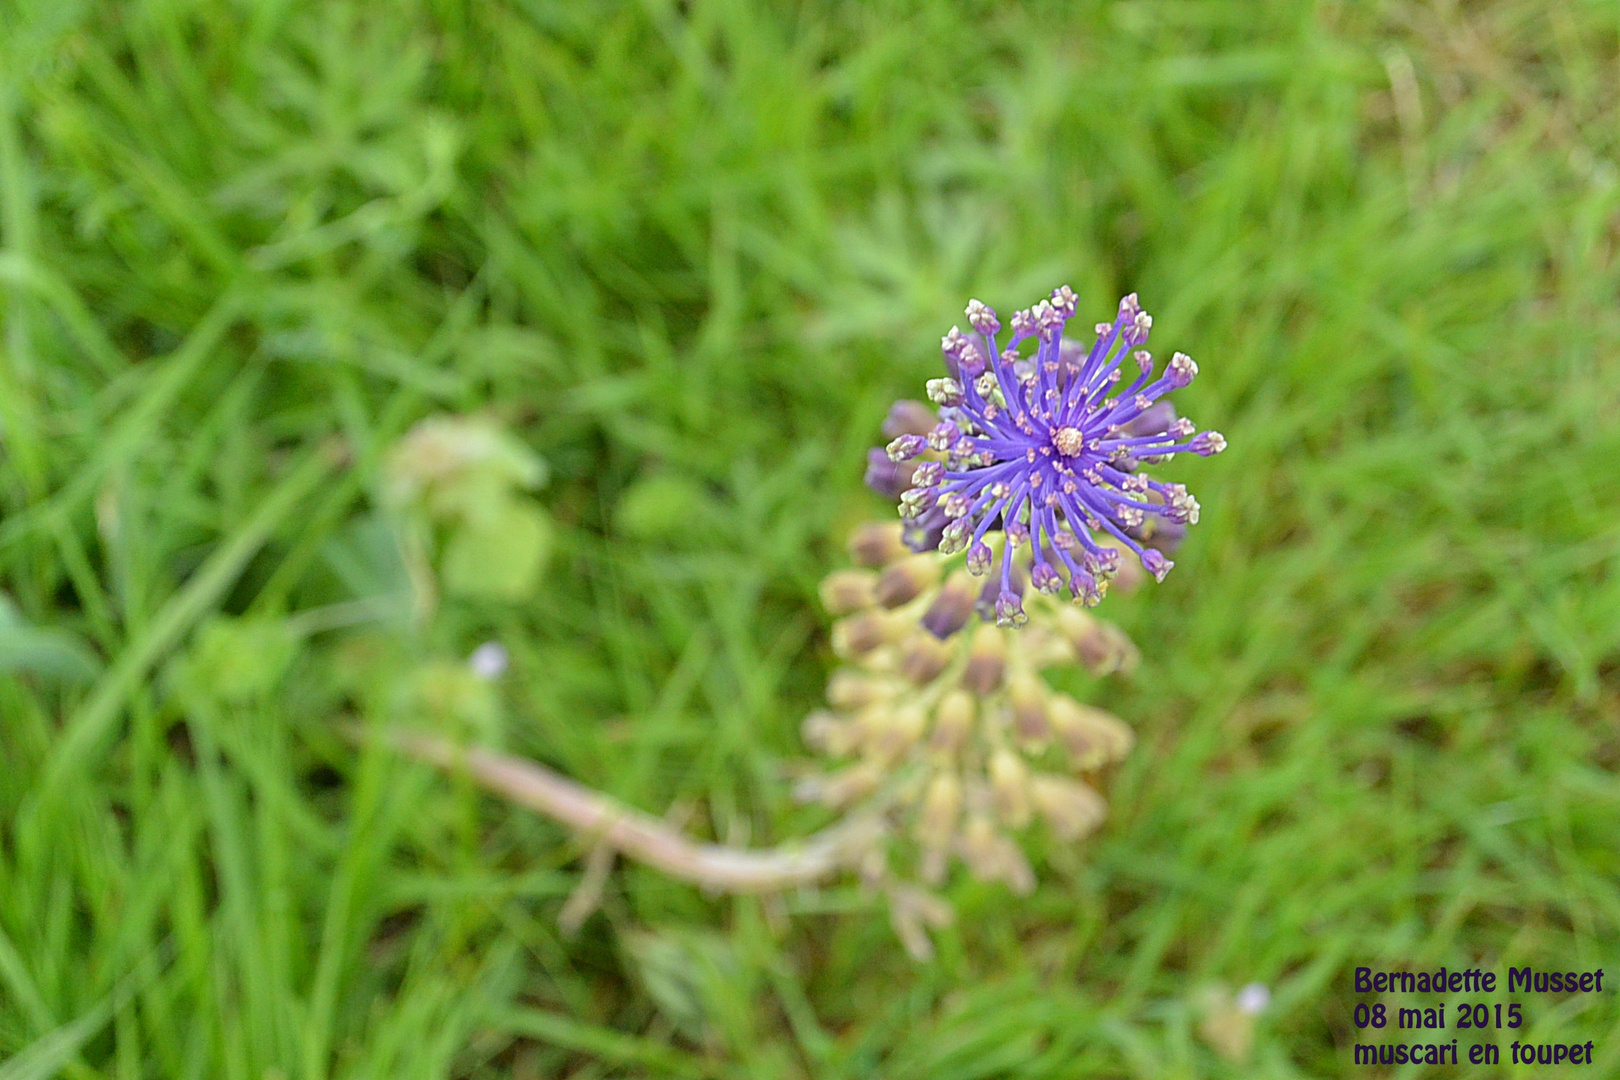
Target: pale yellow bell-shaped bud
826 733
1009 787
936 818
953 722
1102 647
857 635
992 857
923 657
853 690
844 591
1092 737
987 660
876 543
893 731
1026 697
1071 808
907 579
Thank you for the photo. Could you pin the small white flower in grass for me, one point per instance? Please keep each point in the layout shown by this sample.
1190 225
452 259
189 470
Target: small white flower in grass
1254 998
489 660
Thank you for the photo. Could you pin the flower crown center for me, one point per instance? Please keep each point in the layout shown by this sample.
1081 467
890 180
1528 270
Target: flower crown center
1068 440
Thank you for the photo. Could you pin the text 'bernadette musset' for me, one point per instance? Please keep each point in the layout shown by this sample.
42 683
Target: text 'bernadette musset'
1476 1011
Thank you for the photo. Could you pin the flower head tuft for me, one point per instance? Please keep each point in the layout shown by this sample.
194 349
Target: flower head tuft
1046 448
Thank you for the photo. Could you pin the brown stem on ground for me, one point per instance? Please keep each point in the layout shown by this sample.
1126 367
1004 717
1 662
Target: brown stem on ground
604 821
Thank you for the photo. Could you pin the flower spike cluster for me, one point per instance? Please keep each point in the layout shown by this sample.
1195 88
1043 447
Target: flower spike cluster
1045 449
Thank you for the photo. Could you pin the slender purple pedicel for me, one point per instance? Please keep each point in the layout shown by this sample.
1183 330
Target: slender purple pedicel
1045 448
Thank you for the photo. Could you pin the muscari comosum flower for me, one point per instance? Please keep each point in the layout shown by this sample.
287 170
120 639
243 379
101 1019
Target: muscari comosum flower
1045 449
1028 473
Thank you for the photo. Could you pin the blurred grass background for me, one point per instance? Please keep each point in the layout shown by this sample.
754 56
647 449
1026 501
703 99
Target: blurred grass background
689 252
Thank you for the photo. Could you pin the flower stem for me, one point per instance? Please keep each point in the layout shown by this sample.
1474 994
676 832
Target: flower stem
603 820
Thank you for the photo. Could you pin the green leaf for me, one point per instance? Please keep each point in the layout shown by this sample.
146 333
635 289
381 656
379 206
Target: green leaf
498 555
42 651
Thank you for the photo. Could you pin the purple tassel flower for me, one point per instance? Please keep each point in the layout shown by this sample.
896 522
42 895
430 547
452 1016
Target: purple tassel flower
1045 449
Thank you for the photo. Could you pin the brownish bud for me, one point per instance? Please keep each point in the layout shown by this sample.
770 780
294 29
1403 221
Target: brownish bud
1092 737
953 722
904 581
1027 696
858 635
1009 788
1071 808
987 660
876 543
844 591
922 658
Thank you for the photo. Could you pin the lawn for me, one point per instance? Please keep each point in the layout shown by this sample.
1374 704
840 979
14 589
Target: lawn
687 254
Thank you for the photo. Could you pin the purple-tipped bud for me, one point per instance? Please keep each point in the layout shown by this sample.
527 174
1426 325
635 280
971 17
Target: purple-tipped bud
1208 443
887 478
953 504
874 544
1181 370
945 392
907 417
906 447
1023 324
982 317
928 474
954 537
1048 321
952 608
923 533
1144 361
972 362
954 344
1010 610
1046 579
1166 536
979 559
1064 302
1154 562
943 435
